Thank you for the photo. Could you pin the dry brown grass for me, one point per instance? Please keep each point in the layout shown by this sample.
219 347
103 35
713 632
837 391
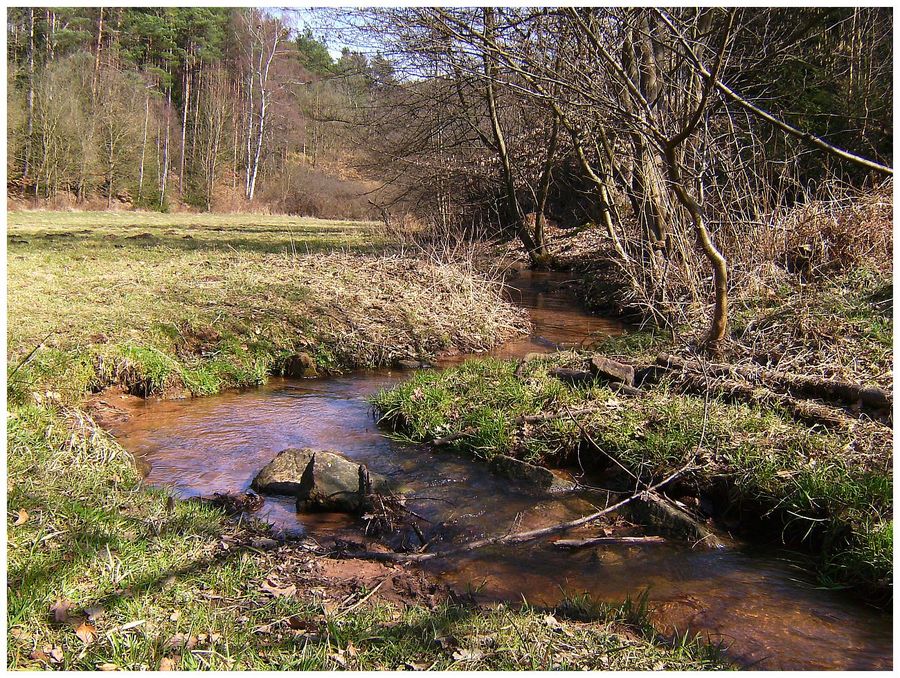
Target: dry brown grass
836 234
378 310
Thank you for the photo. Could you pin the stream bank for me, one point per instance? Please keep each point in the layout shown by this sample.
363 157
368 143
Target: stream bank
705 591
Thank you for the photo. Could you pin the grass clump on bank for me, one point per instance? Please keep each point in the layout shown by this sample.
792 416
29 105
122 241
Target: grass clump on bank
832 490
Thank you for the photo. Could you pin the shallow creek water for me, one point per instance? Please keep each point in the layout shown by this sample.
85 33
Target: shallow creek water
767 613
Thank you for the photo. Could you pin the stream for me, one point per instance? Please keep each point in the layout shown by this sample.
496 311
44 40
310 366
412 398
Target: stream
763 608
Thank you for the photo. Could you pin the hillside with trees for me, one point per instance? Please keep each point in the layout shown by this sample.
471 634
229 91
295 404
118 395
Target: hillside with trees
198 108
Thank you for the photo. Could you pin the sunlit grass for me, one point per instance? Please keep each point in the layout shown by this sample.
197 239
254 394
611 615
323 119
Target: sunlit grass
160 303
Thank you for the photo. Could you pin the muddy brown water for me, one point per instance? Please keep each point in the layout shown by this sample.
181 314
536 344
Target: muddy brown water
765 611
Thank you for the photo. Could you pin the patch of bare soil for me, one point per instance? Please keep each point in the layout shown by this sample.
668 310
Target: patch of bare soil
307 570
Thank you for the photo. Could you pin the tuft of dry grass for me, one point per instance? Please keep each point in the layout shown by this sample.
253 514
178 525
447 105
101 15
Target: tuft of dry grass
840 327
374 311
837 234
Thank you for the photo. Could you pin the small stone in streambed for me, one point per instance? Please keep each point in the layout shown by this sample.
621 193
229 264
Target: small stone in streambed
299 365
411 364
536 477
321 480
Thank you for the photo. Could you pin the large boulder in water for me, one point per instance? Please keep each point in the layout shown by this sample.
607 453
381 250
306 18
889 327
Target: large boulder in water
321 480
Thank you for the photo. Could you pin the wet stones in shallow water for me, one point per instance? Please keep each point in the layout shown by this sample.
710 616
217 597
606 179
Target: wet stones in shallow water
530 475
321 480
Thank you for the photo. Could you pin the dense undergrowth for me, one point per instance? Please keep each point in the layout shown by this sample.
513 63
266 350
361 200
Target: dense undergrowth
830 490
104 573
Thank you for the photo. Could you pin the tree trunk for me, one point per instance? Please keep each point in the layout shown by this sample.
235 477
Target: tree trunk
514 211
544 190
29 125
602 192
144 148
184 119
97 56
165 163
719 322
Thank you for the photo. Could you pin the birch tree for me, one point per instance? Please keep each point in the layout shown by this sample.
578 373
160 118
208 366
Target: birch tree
264 37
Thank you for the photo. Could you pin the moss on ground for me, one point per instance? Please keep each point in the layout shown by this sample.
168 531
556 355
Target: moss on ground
104 573
831 490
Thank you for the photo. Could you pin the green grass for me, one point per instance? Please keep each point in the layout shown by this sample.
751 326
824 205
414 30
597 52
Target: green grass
202 303
830 490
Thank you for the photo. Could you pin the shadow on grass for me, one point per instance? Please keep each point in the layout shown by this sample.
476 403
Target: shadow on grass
301 243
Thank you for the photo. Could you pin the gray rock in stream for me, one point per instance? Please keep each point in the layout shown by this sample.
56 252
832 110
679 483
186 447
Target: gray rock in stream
321 480
535 477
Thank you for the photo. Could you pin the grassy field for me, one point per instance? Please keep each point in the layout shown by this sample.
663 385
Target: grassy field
105 573
199 303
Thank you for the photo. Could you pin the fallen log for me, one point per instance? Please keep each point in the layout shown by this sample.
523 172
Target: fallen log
600 541
809 412
796 384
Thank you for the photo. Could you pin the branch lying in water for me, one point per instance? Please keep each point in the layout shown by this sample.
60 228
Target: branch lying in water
512 538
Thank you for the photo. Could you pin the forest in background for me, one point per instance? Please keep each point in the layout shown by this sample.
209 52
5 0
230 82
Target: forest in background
195 108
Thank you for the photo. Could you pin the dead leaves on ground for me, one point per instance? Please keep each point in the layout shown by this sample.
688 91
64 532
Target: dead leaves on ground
86 632
60 611
277 591
48 655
